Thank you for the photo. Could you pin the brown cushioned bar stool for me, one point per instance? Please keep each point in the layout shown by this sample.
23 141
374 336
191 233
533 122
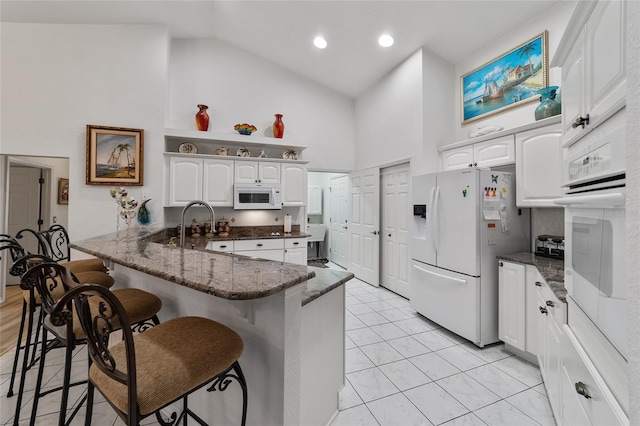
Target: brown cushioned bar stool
31 303
44 278
144 373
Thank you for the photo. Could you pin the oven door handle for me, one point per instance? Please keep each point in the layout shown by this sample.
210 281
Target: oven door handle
614 199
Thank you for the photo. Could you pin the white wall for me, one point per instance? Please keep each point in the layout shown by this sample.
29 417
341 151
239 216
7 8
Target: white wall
633 206
555 21
242 88
389 117
56 79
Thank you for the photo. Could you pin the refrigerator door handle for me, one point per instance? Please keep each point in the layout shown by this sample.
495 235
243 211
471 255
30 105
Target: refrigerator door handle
431 218
436 219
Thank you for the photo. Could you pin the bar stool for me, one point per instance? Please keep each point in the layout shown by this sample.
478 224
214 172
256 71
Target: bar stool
144 373
86 271
43 278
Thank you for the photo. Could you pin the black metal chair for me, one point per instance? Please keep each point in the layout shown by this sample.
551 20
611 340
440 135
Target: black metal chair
44 280
88 271
144 373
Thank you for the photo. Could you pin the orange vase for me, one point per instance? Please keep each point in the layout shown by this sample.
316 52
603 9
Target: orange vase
278 127
202 118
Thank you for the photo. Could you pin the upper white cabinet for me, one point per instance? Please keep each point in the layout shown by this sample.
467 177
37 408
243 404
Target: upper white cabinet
495 152
192 178
217 187
294 184
593 70
185 180
538 166
257 171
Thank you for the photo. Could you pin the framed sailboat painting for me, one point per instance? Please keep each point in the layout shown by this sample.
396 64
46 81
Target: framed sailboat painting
509 80
114 156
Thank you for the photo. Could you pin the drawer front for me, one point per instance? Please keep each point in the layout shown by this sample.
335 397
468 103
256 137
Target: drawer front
290 243
595 398
277 255
224 246
264 244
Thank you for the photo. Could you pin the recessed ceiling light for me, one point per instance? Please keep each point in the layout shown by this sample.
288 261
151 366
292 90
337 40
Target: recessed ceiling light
385 40
320 42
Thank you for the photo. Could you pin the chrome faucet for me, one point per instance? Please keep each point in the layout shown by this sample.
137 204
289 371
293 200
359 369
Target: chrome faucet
184 210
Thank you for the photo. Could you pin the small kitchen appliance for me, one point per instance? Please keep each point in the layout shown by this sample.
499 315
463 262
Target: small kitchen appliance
550 246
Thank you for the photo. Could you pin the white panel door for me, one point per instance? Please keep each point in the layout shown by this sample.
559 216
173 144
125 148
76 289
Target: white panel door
339 220
395 229
23 208
246 171
511 304
269 172
364 225
218 182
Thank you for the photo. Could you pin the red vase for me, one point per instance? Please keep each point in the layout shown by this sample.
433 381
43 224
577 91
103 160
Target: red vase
202 118
278 127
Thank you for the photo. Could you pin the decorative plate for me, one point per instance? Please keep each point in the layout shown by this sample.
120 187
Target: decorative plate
243 152
188 148
290 154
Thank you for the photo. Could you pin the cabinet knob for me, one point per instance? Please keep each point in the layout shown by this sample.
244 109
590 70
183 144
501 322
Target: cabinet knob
581 388
296 243
542 310
501 264
389 234
259 244
223 246
581 121
374 232
475 164
538 284
550 303
470 165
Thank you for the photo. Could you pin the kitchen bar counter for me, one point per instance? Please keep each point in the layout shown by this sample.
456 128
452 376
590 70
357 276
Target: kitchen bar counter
291 319
223 275
552 270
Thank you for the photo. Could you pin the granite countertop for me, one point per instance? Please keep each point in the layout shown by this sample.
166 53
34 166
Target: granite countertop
238 233
552 270
324 281
224 275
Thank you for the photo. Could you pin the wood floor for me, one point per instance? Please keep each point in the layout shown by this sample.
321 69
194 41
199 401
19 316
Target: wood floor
10 312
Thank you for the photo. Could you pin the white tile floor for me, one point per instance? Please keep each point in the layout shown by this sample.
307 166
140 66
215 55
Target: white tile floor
401 369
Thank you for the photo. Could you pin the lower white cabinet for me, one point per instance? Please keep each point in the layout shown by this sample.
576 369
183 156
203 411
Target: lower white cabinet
291 250
511 303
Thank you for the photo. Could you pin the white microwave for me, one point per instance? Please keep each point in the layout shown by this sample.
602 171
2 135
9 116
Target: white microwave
257 196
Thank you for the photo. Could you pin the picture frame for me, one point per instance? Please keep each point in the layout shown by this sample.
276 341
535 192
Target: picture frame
63 191
115 156
507 81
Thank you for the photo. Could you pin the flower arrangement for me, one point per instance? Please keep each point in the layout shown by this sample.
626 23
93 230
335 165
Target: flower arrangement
245 129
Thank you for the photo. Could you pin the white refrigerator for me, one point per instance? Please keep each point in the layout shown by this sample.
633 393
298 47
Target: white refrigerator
462 220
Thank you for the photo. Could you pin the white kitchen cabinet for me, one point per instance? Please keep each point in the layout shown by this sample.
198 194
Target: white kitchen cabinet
223 246
593 71
271 249
553 315
534 321
586 398
495 152
295 250
539 166
294 184
194 178
184 181
217 188
257 171
314 200
511 303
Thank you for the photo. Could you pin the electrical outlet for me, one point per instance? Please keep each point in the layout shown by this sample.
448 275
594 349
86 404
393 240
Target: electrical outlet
54 219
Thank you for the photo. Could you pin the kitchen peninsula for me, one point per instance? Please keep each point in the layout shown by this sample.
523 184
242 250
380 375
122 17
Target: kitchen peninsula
290 317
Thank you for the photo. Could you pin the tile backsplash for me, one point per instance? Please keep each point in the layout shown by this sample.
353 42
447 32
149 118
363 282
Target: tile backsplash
548 221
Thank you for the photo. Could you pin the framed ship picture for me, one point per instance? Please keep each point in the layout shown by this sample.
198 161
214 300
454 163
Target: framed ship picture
509 80
114 156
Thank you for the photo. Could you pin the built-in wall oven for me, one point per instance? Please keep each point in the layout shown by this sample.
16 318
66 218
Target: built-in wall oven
595 261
